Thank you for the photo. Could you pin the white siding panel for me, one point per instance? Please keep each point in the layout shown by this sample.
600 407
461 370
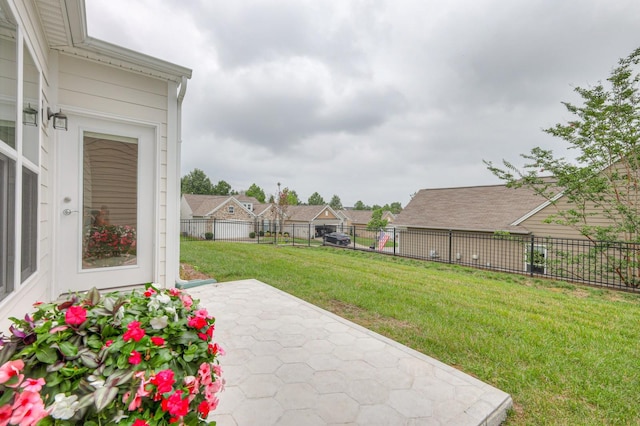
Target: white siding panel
101 72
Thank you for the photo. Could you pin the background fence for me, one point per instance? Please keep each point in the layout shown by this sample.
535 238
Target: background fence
613 265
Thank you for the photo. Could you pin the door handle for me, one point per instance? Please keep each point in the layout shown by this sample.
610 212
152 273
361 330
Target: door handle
67 212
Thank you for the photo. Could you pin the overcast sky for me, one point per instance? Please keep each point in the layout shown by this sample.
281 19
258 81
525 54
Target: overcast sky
371 100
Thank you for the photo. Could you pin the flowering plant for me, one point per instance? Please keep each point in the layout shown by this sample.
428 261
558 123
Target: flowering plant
134 359
109 240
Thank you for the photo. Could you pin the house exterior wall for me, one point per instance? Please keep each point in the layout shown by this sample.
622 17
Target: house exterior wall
98 90
38 286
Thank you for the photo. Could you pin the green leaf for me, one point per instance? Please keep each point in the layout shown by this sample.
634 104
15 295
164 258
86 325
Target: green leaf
68 349
104 396
89 359
48 355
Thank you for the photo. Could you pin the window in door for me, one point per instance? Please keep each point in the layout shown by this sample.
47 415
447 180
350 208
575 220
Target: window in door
110 201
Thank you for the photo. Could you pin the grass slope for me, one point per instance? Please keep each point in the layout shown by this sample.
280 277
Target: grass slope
567 354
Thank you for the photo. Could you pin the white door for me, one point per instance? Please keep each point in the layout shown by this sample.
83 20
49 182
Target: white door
105 187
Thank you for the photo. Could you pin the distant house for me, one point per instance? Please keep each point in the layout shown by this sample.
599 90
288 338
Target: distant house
224 216
428 226
314 221
87 129
361 218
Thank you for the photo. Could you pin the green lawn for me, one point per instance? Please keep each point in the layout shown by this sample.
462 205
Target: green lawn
567 354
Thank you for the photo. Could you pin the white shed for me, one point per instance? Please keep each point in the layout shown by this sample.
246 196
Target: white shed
96 204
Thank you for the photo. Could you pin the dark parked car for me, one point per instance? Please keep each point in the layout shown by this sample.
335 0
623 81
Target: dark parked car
337 238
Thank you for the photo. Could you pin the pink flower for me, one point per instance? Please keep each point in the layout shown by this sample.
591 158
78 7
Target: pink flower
186 300
197 322
58 328
150 292
174 291
175 405
163 381
108 343
5 414
75 315
203 409
192 384
202 313
204 373
135 358
157 340
28 409
216 349
33 385
10 373
139 422
133 332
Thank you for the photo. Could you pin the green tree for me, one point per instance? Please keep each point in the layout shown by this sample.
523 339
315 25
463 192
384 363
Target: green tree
394 207
196 182
603 181
316 200
256 192
335 203
292 197
377 222
359 205
222 188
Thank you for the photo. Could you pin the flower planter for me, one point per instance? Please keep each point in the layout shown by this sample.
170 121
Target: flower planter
140 358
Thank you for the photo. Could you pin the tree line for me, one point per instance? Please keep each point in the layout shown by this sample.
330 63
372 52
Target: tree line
197 182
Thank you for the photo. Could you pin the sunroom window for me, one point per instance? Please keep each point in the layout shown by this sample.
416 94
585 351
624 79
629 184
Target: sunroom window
19 159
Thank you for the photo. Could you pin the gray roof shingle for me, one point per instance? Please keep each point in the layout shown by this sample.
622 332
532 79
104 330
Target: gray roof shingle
476 208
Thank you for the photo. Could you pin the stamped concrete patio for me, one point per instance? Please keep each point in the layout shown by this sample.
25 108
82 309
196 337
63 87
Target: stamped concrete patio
291 363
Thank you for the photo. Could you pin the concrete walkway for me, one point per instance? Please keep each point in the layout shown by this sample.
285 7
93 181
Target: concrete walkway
291 363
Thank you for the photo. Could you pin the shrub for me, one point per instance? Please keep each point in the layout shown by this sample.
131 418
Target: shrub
261 233
132 359
252 234
208 235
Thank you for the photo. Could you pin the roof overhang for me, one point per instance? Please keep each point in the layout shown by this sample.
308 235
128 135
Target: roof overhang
65 26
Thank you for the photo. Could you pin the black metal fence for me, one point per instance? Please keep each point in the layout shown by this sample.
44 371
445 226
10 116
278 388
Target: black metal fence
613 265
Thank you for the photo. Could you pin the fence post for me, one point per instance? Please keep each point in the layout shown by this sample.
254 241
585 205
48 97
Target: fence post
450 244
353 231
309 236
394 240
531 255
213 231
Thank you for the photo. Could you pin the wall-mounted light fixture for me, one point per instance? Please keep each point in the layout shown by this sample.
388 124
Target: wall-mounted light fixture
29 116
59 119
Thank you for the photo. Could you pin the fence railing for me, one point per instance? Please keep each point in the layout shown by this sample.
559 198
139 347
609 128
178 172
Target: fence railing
613 265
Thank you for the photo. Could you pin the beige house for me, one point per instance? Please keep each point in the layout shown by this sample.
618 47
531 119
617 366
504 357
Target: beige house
452 224
224 216
311 221
89 136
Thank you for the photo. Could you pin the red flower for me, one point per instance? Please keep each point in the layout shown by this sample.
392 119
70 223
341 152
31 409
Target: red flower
135 358
108 343
150 292
157 340
139 422
175 405
203 409
197 322
164 381
75 315
133 332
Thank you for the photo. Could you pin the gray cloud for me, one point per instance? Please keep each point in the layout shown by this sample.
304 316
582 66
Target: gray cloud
371 99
